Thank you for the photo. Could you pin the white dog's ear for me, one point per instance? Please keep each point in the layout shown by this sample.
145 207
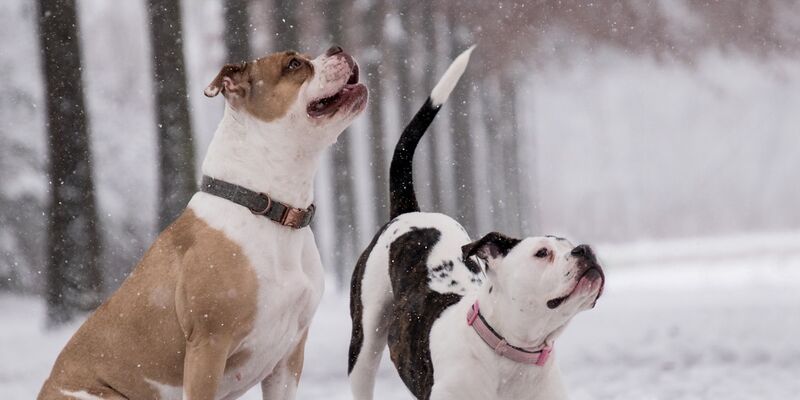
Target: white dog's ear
230 81
489 248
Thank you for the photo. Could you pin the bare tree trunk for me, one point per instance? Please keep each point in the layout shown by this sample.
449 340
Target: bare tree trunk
430 74
74 278
374 20
237 30
284 23
345 241
462 134
402 55
518 191
177 180
496 134
409 99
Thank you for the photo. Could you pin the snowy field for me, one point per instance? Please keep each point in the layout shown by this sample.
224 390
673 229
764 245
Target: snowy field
711 319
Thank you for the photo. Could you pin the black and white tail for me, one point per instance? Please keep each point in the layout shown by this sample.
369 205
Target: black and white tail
402 197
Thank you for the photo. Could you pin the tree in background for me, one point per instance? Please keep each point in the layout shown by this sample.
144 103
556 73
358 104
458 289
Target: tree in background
237 30
284 24
344 194
372 58
402 56
430 74
461 128
407 59
74 278
508 193
518 214
177 180
498 182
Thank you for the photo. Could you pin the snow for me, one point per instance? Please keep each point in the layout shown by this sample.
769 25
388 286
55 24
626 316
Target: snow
654 148
719 324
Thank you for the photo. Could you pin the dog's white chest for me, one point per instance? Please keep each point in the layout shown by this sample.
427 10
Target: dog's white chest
290 284
284 313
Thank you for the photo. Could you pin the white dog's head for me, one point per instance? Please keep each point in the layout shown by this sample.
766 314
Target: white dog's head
545 278
318 97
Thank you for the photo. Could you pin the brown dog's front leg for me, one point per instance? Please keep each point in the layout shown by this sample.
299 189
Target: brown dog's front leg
203 367
282 383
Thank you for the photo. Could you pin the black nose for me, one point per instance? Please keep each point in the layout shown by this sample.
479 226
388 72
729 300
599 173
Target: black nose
582 251
333 51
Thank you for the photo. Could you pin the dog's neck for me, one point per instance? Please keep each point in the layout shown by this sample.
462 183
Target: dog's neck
514 321
264 157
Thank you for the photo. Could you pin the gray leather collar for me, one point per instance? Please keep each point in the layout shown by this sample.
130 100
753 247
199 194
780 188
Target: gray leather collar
259 203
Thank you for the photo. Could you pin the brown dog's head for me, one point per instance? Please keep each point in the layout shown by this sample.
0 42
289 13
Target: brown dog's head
291 87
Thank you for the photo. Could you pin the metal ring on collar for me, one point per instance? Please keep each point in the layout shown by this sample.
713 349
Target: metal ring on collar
266 209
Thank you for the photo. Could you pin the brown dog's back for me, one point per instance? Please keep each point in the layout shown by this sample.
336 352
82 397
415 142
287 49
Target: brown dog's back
138 337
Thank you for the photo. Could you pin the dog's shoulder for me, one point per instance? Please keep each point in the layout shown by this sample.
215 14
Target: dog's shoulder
216 285
432 242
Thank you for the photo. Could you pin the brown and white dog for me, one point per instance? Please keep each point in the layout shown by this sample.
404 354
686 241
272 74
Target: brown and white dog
223 299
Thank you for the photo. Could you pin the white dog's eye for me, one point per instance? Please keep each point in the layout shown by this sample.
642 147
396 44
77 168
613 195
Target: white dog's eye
542 253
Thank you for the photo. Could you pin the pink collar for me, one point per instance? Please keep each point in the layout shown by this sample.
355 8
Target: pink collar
501 347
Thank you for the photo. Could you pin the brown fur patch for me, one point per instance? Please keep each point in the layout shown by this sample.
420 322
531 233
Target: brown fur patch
295 362
192 285
266 87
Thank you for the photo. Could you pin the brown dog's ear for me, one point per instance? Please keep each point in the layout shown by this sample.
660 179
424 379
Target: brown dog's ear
489 247
228 81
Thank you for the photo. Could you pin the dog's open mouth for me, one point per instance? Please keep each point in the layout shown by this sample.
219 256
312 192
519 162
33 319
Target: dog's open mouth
352 94
590 275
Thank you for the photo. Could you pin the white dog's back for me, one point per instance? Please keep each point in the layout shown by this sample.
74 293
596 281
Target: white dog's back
433 242
411 271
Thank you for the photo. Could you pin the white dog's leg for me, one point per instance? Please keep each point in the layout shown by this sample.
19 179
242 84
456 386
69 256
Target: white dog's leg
362 376
373 306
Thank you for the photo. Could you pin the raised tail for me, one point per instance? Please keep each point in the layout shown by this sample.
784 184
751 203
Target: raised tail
402 198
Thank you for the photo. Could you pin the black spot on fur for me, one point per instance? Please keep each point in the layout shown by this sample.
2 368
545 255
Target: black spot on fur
471 265
492 245
356 308
416 308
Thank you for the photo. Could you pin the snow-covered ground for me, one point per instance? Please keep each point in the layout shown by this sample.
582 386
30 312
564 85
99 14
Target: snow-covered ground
676 322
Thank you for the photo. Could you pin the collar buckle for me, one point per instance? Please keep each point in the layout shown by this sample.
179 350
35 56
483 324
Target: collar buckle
292 217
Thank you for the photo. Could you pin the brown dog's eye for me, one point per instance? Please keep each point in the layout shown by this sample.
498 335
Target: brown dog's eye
542 253
294 64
